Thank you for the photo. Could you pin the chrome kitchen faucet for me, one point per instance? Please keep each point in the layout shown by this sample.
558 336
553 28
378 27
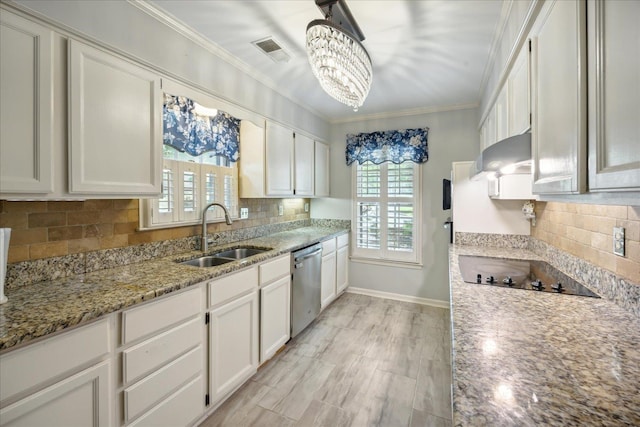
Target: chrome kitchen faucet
204 245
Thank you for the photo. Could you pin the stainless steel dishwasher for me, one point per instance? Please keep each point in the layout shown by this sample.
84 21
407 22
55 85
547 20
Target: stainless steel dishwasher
305 289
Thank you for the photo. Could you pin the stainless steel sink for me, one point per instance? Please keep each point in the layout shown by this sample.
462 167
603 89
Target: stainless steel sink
224 257
207 261
240 253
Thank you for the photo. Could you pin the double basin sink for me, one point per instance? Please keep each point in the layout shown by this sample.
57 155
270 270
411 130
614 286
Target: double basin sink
224 257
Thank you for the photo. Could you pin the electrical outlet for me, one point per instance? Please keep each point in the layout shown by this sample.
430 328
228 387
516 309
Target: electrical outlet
618 241
244 213
306 207
280 210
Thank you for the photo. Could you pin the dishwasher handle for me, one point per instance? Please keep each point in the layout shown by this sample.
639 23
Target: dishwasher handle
302 258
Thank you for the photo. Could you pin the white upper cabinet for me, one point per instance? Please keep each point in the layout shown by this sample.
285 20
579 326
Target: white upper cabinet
115 125
322 173
614 94
490 129
519 99
26 106
502 114
559 98
304 165
275 162
279 152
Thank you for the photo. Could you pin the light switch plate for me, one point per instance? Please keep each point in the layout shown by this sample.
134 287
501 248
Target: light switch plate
244 213
306 207
280 210
618 241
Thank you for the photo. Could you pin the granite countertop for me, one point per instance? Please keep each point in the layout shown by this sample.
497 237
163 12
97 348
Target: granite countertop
523 358
36 310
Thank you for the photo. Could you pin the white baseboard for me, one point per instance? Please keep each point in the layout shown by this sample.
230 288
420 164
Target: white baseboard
398 297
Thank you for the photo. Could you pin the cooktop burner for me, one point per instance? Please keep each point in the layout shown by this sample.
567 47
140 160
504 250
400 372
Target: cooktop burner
519 274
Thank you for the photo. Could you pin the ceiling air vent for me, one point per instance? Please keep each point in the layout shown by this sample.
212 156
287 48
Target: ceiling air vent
270 47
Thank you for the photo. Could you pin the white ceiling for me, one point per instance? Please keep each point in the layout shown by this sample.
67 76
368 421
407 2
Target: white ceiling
426 54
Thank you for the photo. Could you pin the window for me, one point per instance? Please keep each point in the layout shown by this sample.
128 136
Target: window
386 211
189 184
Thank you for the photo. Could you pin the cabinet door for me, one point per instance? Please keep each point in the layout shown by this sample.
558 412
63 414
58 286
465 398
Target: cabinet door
502 114
614 91
26 106
519 104
304 165
233 345
80 400
322 174
342 268
490 129
559 99
328 280
275 317
115 125
252 156
279 160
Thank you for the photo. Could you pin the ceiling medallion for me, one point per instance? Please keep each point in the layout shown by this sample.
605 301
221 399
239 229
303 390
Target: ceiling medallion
338 60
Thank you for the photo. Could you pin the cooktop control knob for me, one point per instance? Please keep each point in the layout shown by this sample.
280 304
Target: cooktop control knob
479 278
508 281
557 287
491 279
537 285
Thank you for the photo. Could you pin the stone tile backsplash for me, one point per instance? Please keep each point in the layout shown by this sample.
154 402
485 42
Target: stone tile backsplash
586 231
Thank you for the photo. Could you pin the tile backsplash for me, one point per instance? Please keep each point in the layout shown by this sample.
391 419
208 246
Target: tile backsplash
586 231
46 229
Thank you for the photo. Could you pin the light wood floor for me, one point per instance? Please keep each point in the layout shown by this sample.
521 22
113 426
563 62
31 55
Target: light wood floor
364 362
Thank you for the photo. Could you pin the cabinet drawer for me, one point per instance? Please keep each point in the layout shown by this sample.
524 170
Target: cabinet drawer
328 246
229 287
275 269
153 317
343 240
38 363
157 351
146 393
179 409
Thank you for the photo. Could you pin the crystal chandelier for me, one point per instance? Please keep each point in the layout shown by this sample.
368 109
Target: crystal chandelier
339 61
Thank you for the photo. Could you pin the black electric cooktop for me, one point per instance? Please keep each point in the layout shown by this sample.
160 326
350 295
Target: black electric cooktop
519 274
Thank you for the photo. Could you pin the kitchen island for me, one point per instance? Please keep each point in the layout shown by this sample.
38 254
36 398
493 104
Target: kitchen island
524 358
39 309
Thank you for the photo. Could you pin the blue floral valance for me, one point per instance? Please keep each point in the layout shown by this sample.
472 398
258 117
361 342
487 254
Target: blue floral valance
187 131
395 146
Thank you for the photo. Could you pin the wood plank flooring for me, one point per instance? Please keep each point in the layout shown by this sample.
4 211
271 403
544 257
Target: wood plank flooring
364 362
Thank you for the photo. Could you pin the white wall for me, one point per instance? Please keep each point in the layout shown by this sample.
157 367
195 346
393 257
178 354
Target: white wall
453 136
126 28
475 212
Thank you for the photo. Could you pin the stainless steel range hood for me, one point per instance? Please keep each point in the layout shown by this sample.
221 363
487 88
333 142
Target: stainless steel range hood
511 155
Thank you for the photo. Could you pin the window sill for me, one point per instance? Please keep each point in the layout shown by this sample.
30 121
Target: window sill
183 224
388 262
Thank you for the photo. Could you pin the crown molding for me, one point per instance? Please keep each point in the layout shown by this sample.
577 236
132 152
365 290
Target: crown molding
405 113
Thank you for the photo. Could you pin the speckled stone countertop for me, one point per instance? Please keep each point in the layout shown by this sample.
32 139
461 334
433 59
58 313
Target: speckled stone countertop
523 358
39 309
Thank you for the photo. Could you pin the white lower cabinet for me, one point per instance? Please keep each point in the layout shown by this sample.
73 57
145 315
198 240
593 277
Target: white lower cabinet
233 332
233 345
81 400
163 361
275 306
179 409
328 273
60 381
342 264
